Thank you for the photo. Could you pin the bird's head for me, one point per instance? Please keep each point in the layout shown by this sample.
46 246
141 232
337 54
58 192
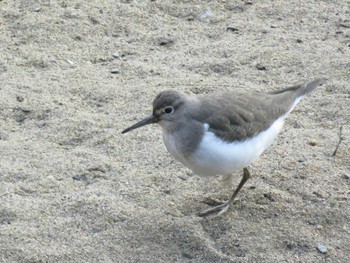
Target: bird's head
167 108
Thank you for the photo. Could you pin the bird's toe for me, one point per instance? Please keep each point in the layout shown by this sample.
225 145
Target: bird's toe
218 210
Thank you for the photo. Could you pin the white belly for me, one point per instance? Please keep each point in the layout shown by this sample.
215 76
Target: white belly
215 156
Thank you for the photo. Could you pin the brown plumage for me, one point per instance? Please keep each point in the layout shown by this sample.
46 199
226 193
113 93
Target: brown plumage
247 114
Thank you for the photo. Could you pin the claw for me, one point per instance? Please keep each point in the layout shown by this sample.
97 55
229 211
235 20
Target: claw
219 209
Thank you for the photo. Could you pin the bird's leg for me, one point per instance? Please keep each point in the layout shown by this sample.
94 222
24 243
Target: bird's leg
246 176
223 207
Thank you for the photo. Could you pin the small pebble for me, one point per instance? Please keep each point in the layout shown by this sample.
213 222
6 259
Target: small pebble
116 55
319 227
344 25
231 29
37 9
79 177
269 197
167 191
94 21
187 255
312 143
166 42
322 249
346 176
207 13
25 110
317 194
260 67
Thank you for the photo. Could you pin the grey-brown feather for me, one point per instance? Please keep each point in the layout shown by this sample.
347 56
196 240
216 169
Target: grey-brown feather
238 116
168 98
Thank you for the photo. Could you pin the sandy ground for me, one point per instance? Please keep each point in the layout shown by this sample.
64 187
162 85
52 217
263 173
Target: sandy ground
74 74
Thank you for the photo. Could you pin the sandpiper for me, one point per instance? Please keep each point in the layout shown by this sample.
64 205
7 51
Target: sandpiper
219 134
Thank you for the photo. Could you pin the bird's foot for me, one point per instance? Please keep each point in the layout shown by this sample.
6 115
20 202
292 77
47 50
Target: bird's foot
219 209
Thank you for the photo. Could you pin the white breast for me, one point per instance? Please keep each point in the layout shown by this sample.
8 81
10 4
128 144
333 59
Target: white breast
215 156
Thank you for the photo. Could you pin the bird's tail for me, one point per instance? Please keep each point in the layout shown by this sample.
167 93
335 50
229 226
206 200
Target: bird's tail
300 90
295 93
308 87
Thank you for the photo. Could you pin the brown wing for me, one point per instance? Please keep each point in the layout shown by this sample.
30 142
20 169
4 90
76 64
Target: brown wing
237 116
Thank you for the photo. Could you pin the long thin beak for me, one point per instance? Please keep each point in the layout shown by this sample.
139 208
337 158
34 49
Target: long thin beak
149 120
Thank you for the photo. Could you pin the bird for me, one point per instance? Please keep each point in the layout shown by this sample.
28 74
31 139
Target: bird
222 133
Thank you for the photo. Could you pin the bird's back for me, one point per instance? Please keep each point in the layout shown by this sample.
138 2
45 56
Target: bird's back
237 116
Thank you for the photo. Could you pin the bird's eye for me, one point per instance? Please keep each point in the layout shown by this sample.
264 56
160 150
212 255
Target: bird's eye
168 110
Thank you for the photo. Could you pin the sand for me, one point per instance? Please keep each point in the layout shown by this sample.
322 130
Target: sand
74 74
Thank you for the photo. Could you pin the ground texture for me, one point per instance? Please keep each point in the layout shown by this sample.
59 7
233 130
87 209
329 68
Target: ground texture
74 74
